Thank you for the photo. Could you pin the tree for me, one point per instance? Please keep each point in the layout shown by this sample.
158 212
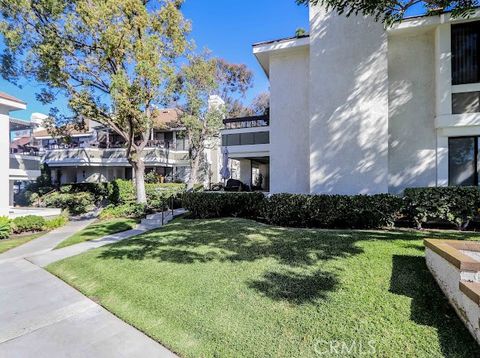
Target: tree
261 104
114 60
390 11
200 78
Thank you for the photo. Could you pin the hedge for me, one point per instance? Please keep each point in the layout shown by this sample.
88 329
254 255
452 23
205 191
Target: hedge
332 211
75 203
5 227
130 210
123 191
28 223
453 205
99 191
222 204
322 211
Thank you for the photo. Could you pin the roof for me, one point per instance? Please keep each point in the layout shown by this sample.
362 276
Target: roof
11 98
167 118
20 142
70 130
19 124
280 40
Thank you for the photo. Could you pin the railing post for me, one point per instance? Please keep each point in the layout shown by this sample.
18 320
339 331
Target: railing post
172 204
162 214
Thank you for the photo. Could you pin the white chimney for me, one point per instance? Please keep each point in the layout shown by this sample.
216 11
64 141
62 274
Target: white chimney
215 102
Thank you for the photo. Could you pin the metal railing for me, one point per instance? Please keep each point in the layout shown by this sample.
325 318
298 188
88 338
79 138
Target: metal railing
247 122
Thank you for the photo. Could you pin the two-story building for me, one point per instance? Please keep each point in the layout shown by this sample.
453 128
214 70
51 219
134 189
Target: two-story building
97 154
357 108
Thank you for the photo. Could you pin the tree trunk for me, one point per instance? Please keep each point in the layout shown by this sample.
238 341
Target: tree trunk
193 173
139 168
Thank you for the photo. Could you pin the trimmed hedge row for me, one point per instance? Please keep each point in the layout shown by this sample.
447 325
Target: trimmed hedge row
452 205
216 204
332 211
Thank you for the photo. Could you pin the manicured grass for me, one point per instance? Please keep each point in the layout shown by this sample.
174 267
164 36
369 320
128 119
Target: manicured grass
18 240
238 288
98 230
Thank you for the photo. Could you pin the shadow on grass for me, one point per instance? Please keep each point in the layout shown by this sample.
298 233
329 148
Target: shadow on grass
411 278
298 251
295 287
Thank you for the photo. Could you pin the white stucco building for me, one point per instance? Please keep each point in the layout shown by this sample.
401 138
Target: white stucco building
357 108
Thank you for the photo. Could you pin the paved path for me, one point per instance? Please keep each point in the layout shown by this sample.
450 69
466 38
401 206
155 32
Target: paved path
42 316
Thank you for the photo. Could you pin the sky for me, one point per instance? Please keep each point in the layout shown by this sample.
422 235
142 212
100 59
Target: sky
227 27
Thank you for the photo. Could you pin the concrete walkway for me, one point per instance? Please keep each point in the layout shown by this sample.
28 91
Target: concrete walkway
42 316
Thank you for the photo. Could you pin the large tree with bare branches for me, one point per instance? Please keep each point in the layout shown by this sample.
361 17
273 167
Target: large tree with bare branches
390 11
113 59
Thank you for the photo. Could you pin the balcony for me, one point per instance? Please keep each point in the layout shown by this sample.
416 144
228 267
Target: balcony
111 157
247 122
247 137
23 167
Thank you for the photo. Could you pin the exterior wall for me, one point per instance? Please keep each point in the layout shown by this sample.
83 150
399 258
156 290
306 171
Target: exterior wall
411 125
289 139
348 104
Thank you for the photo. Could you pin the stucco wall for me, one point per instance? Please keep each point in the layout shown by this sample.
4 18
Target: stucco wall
348 104
289 127
412 137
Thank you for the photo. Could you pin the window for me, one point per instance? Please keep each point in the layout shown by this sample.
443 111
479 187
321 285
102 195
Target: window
466 53
252 138
463 161
466 102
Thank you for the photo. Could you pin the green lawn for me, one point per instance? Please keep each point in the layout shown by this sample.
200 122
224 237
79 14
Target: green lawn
238 288
18 240
98 230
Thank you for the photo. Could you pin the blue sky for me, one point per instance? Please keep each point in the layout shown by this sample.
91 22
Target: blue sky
227 27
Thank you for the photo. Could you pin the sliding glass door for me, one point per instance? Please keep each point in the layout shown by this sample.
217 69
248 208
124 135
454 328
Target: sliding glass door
463 161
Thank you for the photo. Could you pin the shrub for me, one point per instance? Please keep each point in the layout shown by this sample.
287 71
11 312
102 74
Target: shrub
56 222
121 192
75 203
5 227
130 210
332 211
28 223
213 205
454 205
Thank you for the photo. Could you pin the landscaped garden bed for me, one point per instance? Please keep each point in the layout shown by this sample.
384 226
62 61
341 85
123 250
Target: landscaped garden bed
236 287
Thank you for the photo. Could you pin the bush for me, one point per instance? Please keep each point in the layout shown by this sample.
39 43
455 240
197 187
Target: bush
56 222
332 211
5 227
75 203
130 210
214 205
121 192
454 205
28 223
100 191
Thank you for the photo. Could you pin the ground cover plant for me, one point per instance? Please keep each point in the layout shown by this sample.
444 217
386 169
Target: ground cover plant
233 287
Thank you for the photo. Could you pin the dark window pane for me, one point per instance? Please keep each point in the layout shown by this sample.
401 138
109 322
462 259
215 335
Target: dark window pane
461 161
262 137
233 139
466 53
247 139
467 102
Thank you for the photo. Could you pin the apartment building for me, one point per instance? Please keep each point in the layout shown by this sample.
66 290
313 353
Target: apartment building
359 109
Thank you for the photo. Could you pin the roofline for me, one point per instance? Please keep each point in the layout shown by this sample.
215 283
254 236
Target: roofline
280 40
